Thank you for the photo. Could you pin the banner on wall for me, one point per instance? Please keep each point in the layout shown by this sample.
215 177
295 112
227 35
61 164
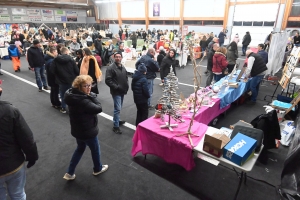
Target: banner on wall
19 18
60 18
18 11
48 18
4 18
59 12
35 18
72 18
33 12
3 11
71 13
156 9
47 12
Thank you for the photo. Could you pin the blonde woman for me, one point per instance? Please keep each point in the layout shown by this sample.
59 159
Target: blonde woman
219 63
83 109
89 66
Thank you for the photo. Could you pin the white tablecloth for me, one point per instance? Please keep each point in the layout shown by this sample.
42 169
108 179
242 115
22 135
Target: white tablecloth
182 58
3 52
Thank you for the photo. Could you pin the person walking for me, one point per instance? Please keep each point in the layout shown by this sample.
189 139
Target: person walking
139 86
297 39
65 70
17 146
203 45
152 68
36 61
246 41
133 38
222 37
49 57
117 80
219 63
210 56
232 55
14 56
256 69
83 109
168 62
89 66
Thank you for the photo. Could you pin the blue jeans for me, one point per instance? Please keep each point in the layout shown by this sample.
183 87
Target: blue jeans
62 90
15 184
150 86
118 103
218 77
40 76
254 86
94 146
244 49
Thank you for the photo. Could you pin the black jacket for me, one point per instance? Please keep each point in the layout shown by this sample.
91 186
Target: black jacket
264 55
35 57
83 110
203 44
152 66
50 76
210 56
98 47
259 65
160 57
64 68
16 139
165 66
116 79
246 39
139 86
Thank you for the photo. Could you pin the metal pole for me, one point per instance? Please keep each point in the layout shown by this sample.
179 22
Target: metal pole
232 20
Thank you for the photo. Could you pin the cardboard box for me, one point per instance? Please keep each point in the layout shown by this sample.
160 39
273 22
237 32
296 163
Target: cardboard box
239 149
214 144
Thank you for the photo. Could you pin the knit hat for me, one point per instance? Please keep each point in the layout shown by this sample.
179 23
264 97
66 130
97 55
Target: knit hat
142 68
35 42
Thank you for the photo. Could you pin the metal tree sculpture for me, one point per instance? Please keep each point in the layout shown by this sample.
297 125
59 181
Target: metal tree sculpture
197 82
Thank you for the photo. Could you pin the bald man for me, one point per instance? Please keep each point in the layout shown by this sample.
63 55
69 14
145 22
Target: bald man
256 69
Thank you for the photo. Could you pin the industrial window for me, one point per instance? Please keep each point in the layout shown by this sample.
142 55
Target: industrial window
237 23
295 12
171 22
156 22
247 23
212 22
293 24
269 23
258 23
190 22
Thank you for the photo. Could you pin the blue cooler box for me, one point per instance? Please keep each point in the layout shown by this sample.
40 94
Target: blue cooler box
239 149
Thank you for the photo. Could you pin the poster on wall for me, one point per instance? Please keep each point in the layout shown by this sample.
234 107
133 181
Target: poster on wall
47 12
156 9
18 11
72 18
33 12
60 12
60 18
48 18
35 18
71 13
4 18
81 13
19 18
3 11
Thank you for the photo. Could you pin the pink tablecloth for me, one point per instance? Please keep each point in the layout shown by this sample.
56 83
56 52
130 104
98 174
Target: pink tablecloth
149 138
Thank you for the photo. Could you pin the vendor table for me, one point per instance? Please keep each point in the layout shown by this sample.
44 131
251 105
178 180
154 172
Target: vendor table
247 167
149 138
3 52
130 66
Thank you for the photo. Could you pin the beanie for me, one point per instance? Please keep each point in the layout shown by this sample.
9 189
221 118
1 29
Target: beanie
142 68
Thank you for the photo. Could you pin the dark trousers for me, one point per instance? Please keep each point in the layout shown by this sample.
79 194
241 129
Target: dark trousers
230 68
54 95
142 112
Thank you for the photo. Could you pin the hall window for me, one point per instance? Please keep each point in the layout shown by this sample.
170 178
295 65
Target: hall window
191 22
212 23
171 22
258 23
127 22
247 23
238 23
269 23
293 24
295 12
156 22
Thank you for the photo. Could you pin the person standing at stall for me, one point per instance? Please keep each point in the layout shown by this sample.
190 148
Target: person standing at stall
210 56
219 63
232 55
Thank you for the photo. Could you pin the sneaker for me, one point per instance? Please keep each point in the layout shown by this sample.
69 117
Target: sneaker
16 70
63 110
117 130
121 122
104 168
19 70
46 88
40 89
68 177
161 84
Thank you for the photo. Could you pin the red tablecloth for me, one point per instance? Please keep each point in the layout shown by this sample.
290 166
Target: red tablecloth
149 138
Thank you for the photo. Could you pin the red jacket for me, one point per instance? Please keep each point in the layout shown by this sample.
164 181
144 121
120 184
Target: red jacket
219 62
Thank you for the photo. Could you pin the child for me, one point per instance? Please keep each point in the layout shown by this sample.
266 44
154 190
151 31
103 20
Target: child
14 55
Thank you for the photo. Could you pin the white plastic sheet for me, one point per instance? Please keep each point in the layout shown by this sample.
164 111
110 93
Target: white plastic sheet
276 52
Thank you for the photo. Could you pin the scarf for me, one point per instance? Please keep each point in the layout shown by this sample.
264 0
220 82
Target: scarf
84 68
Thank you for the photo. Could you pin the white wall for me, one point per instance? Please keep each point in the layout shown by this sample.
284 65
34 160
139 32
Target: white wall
168 8
204 8
163 27
115 27
132 9
108 11
206 29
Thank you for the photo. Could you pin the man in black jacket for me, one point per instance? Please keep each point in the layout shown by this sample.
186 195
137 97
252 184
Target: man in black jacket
16 146
152 68
116 78
256 69
36 61
210 56
246 42
98 46
65 71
